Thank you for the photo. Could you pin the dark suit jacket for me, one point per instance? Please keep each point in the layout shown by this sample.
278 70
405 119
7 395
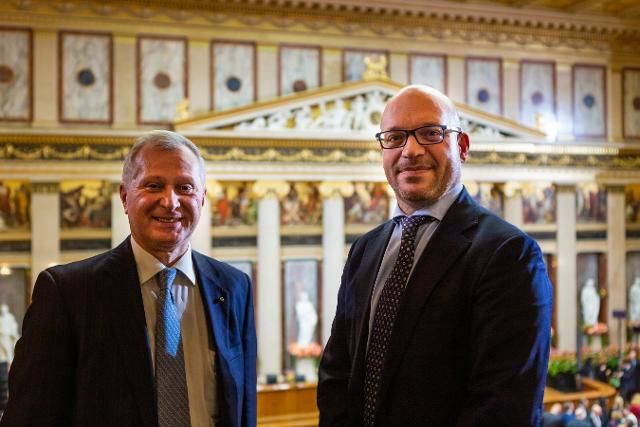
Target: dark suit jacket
471 341
84 358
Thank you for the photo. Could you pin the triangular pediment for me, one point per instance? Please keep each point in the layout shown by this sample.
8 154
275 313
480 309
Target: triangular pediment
349 110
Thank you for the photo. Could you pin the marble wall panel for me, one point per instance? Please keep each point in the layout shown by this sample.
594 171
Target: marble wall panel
589 101
86 77
537 93
354 66
484 84
428 70
299 68
85 204
631 102
162 65
15 74
233 70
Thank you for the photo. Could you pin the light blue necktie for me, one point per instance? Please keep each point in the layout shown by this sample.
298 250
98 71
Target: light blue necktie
171 382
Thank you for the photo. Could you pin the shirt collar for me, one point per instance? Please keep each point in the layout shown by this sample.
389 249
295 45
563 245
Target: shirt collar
148 265
436 210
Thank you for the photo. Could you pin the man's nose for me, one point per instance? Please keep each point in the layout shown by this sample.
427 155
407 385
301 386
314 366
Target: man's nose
169 198
412 148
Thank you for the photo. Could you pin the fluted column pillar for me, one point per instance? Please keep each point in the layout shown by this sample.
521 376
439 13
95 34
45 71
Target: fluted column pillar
45 226
119 220
513 204
333 239
616 252
269 286
566 305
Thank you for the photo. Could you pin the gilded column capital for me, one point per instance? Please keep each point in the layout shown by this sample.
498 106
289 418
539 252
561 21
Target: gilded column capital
512 189
565 188
329 189
45 187
278 189
614 188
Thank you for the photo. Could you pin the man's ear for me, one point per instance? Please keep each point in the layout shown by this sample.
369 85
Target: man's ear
463 146
123 197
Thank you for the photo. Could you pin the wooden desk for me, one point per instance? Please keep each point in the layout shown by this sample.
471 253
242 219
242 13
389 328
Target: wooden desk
593 390
285 405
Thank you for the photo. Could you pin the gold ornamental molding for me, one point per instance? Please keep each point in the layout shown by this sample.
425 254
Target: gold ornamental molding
435 20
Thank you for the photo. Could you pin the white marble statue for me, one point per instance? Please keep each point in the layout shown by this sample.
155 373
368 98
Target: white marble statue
8 334
307 318
590 301
634 300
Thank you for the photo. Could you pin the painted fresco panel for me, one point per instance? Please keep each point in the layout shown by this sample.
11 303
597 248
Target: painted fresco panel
591 203
369 204
537 92
488 194
233 74
484 84
538 203
302 206
85 204
15 205
301 309
589 101
354 63
632 203
15 74
86 77
232 203
162 78
631 106
428 70
299 68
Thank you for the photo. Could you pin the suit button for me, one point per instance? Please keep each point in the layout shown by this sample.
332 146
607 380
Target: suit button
221 299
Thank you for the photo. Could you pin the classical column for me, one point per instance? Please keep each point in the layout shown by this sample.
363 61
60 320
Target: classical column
45 226
267 69
513 204
119 219
399 67
124 61
567 303
45 78
456 78
331 66
616 277
333 239
564 101
199 76
614 100
269 286
511 98
201 237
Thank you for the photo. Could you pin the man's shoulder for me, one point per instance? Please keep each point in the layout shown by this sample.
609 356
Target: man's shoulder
82 266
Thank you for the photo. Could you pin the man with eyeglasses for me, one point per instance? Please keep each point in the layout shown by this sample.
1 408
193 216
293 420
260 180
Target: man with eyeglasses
444 312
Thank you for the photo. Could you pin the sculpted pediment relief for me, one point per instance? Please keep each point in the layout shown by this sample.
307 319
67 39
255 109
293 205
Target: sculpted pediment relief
347 111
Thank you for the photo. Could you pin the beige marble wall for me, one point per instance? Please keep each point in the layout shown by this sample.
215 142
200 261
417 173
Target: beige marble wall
331 66
267 70
399 67
199 76
124 82
45 79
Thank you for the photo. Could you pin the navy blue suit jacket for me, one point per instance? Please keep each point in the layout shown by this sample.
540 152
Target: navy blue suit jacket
470 343
84 360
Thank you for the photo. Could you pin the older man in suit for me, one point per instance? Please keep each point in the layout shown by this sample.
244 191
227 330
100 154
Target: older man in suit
444 312
150 333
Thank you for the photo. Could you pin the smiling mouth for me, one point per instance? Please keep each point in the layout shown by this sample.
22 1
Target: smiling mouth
166 220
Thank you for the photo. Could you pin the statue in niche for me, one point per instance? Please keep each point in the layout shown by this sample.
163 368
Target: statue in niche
8 334
634 300
307 318
590 302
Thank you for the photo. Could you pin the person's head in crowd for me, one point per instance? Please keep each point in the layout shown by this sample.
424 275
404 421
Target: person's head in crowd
580 413
596 409
568 407
556 409
422 146
162 191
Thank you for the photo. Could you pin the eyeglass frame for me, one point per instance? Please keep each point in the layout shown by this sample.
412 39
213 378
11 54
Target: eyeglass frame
409 132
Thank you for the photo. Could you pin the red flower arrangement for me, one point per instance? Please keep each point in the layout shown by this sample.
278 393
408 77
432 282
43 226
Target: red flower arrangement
312 350
595 330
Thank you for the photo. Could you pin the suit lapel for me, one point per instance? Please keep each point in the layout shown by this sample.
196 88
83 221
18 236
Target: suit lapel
447 244
120 292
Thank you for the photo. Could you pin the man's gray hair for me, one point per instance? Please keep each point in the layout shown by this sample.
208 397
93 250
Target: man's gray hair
163 140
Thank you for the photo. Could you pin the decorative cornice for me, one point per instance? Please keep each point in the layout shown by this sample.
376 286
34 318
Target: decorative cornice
435 20
45 187
329 189
278 189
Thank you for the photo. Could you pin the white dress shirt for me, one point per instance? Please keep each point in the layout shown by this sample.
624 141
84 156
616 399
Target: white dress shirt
199 356
437 211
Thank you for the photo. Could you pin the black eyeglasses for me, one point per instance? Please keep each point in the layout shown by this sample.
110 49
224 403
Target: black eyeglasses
424 135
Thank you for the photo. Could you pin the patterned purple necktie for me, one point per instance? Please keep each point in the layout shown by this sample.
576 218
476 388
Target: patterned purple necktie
385 316
171 381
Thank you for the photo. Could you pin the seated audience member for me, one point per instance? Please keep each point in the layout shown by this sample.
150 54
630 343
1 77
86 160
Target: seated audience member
553 418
